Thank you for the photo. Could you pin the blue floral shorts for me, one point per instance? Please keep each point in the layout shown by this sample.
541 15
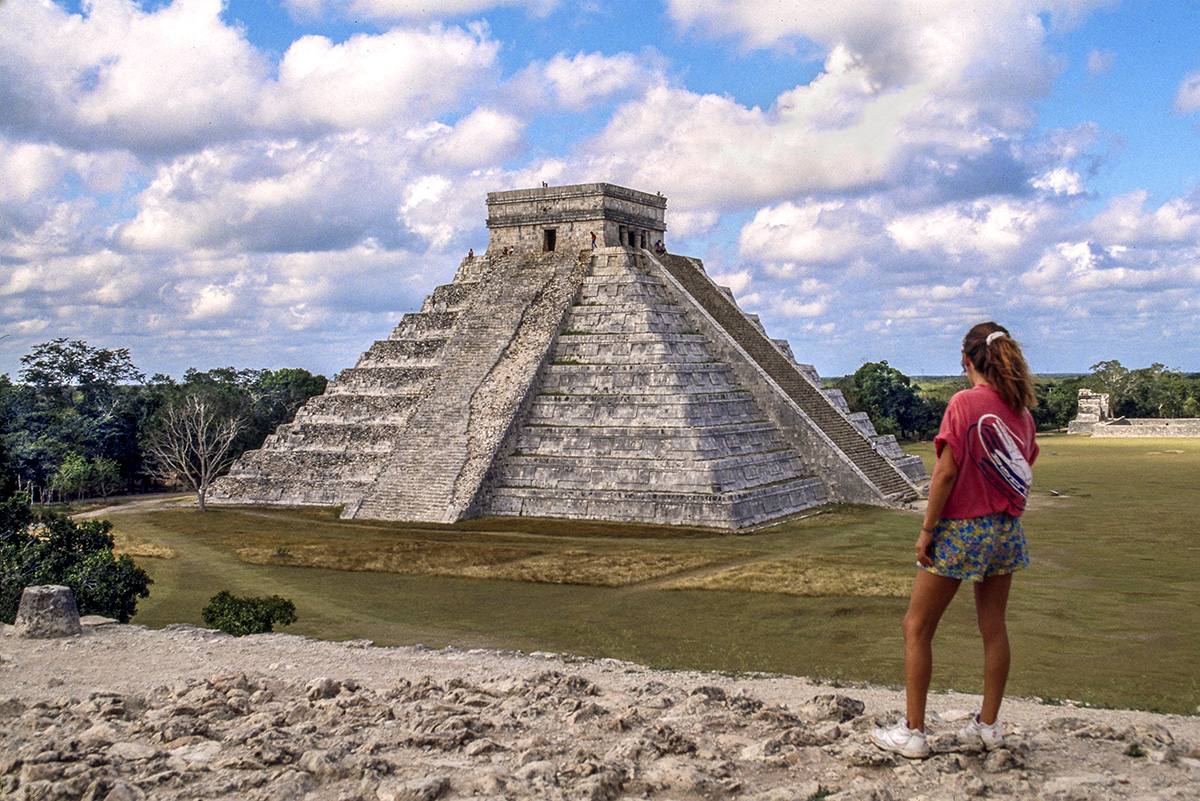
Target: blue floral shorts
977 547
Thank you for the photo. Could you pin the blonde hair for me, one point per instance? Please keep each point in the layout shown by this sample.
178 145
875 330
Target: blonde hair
997 357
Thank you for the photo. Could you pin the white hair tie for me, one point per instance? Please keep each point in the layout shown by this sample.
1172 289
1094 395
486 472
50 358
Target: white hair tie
992 337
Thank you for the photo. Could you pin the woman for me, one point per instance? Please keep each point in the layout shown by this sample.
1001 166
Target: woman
972 529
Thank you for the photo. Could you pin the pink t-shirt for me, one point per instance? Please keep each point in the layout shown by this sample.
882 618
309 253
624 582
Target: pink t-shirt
993 448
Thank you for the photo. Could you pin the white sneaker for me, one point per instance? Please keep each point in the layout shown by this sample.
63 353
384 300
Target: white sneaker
900 739
989 733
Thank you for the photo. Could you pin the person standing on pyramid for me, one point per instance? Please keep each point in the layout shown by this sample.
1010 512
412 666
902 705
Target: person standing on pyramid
972 530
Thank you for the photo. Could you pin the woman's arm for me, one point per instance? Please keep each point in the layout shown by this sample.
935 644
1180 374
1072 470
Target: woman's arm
945 473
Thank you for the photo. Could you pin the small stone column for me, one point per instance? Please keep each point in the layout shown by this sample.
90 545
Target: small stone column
47 611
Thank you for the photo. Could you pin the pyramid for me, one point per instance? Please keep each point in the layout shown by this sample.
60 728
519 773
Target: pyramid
559 378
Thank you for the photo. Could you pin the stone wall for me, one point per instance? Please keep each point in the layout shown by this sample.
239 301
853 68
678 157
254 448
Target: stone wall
520 219
1095 418
1148 427
1093 410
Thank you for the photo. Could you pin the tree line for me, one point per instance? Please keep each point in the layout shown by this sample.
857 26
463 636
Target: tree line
912 408
84 421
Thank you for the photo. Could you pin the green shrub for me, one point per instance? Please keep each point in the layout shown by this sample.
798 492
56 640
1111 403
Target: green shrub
240 616
56 550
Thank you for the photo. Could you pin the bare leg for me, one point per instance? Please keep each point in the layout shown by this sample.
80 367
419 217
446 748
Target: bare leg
991 603
930 596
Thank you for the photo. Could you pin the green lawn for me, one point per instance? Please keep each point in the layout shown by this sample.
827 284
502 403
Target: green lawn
1108 613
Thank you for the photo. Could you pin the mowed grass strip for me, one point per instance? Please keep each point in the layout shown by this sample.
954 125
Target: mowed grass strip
801 576
591 569
477 561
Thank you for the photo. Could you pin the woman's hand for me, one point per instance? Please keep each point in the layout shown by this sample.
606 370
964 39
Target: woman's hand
924 548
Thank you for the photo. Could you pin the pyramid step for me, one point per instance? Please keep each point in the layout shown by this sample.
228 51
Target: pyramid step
347 407
724 510
568 378
377 380
425 324
424 352
632 348
731 473
450 297
603 410
804 393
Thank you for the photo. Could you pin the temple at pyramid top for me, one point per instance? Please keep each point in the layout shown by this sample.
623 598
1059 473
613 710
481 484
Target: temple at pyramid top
565 217
561 377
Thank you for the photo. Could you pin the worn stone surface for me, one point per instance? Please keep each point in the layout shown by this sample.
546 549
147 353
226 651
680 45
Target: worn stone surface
47 611
184 713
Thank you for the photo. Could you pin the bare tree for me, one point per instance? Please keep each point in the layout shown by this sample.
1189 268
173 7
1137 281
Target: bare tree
193 444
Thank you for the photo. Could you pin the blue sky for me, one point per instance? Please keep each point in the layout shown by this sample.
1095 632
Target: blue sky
270 183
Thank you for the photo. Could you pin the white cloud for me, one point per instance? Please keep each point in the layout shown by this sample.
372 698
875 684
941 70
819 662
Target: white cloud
28 169
1061 181
985 235
273 196
710 151
579 82
981 235
1126 221
737 282
816 232
483 137
213 301
1187 97
1100 61
994 46
409 9
1064 270
178 77
371 81
123 76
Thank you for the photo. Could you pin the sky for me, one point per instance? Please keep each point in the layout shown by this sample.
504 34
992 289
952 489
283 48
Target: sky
274 183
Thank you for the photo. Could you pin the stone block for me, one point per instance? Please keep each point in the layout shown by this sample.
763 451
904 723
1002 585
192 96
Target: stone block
47 611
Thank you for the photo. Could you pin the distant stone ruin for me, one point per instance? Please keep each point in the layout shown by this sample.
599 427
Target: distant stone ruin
577 370
1095 418
1093 410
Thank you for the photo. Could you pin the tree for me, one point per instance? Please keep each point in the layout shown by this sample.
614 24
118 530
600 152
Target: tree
193 443
75 399
60 364
1058 403
241 616
56 550
1153 391
891 401
71 476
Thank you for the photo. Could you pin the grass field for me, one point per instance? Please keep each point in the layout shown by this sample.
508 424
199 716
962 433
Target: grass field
1108 614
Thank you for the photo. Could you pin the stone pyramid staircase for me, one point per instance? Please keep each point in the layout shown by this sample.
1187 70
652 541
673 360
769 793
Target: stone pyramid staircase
500 344
338 443
635 420
859 462
601 384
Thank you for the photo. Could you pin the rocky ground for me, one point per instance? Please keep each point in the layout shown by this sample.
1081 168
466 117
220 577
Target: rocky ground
125 713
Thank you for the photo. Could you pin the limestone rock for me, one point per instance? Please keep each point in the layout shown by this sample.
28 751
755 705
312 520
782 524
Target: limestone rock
47 611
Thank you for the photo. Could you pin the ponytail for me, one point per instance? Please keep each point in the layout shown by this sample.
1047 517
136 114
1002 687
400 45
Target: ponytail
997 357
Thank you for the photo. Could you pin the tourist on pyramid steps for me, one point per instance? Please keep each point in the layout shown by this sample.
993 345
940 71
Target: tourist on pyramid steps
593 240
972 530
